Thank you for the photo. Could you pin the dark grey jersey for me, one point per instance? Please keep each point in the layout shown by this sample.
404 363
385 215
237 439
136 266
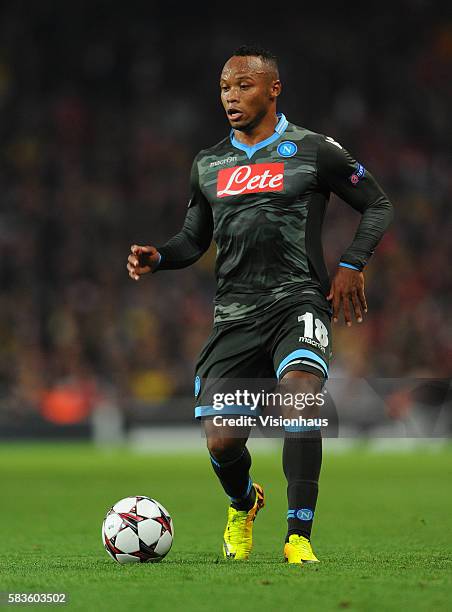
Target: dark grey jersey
264 207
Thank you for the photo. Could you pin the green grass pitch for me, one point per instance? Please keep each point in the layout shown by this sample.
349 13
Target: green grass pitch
383 532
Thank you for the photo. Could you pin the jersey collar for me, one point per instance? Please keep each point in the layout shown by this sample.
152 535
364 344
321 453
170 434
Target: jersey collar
280 128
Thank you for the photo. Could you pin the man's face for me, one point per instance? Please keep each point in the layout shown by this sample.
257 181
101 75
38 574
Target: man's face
249 88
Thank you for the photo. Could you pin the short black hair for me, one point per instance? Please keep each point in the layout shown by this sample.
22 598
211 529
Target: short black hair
257 51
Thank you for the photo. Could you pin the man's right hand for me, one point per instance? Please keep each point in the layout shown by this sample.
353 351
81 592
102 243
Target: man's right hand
143 259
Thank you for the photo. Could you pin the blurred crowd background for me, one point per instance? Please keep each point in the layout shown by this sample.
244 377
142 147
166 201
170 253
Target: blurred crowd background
104 105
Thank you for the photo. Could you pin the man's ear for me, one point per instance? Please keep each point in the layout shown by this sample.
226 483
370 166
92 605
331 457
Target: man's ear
275 90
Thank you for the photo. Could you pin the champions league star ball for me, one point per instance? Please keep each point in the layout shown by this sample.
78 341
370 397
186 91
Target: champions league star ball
137 530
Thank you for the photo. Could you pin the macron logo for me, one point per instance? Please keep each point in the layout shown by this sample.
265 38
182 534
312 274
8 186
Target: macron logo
221 162
250 179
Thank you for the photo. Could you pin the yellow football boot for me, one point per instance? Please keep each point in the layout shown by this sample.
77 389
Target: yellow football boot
299 550
238 535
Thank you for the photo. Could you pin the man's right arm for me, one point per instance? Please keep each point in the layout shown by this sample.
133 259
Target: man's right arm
184 248
195 237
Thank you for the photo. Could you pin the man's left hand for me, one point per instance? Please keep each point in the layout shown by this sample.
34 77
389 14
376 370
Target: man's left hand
348 286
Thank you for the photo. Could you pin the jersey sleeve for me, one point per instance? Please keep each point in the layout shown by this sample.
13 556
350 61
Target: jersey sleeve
195 237
340 173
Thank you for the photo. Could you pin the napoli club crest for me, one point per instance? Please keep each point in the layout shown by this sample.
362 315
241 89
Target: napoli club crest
287 148
197 386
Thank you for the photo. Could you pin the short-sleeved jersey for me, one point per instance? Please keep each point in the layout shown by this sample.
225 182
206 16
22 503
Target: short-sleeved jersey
264 207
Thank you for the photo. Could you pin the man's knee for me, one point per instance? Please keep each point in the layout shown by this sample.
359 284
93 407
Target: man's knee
224 449
302 382
302 394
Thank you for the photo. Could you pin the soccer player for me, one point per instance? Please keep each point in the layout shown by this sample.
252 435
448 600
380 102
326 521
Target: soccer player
261 194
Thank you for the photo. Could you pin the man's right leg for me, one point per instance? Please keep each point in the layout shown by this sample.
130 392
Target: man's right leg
232 360
231 462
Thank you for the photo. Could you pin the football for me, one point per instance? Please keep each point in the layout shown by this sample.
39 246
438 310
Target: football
137 530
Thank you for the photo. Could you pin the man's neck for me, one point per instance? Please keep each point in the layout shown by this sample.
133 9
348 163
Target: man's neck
260 132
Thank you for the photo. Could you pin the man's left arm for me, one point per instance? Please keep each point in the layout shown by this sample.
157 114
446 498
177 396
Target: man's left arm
340 173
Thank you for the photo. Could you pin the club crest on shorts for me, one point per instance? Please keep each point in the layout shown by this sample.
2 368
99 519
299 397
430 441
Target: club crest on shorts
197 386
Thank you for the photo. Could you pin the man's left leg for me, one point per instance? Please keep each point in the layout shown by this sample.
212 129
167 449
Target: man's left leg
301 345
302 460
